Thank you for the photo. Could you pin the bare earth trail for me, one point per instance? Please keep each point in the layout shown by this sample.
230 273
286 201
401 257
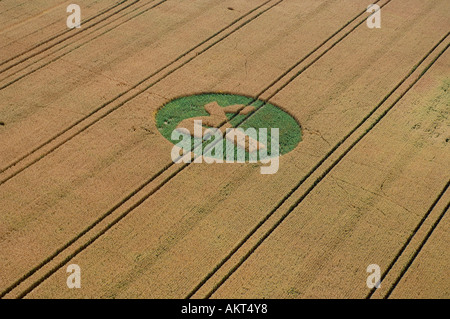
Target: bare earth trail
359 189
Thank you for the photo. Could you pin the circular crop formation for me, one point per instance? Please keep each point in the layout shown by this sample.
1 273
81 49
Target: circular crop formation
236 111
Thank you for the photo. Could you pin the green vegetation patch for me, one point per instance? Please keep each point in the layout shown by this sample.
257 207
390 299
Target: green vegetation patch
265 116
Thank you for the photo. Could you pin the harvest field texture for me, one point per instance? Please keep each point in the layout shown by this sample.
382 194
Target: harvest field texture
110 187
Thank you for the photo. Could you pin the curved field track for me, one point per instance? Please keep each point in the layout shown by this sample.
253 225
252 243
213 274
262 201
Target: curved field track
87 178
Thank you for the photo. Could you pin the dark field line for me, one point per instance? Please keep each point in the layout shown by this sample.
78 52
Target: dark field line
312 52
117 97
78 32
418 250
51 37
21 5
10 8
127 198
266 101
320 178
118 219
408 241
91 240
36 268
59 35
163 183
289 194
77 47
48 274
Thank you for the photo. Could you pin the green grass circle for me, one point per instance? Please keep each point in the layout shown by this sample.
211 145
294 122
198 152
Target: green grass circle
266 116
